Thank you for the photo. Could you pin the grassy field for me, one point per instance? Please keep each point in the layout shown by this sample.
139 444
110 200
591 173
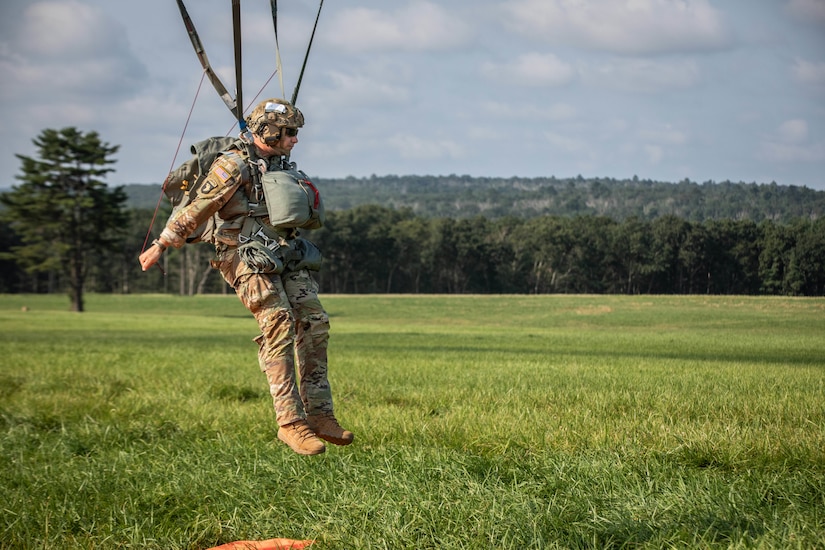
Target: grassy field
481 422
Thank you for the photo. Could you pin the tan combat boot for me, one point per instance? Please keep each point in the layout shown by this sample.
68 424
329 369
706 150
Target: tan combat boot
326 427
300 438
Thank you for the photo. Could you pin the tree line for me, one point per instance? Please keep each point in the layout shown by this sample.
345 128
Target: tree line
377 249
63 230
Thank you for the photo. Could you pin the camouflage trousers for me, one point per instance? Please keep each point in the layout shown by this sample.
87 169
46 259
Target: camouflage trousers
294 334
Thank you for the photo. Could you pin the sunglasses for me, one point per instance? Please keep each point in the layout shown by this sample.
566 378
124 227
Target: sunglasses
290 132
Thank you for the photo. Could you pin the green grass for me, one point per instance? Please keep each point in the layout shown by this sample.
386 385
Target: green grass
481 422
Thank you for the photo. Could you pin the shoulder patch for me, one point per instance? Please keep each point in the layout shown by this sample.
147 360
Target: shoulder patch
226 167
228 170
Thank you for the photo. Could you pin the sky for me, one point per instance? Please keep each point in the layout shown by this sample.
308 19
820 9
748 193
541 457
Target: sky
705 90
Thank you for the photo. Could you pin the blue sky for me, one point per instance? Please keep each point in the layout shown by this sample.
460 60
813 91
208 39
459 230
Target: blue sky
660 89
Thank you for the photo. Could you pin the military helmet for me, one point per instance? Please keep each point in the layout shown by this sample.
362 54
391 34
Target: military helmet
270 115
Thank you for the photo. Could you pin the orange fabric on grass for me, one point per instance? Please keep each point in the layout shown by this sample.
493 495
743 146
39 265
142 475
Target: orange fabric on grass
271 544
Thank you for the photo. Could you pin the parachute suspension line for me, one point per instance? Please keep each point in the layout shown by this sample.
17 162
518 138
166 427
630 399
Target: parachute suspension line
204 61
278 66
306 57
172 166
236 27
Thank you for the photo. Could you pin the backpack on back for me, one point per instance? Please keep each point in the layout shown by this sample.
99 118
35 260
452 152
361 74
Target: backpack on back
182 183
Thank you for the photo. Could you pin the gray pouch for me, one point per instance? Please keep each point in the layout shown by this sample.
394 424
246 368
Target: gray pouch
309 256
259 258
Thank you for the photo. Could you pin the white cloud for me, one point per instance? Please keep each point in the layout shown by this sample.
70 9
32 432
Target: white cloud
565 143
808 10
365 89
793 131
628 27
82 79
791 144
642 75
531 69
663 135
654 153
418 26
806 72
491 118
68 49
65 29
791 153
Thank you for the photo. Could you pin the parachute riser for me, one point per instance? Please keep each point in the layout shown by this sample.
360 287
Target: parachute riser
204 61
236 29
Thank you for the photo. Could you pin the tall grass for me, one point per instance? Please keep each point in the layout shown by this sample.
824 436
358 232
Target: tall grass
480 422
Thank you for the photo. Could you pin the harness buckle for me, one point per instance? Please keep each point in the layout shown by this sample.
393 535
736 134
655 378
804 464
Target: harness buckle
262 166
271 244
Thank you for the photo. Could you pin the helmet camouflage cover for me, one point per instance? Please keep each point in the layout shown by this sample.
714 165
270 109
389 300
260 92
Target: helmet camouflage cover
270 115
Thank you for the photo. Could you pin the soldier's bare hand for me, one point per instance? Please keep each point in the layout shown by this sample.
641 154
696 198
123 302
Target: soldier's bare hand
150 257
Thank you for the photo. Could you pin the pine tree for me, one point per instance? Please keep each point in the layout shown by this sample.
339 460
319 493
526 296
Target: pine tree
62 211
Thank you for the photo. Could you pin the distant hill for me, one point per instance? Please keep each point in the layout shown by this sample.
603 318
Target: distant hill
464 196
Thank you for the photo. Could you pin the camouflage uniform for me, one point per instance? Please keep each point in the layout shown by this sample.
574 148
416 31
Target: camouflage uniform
292 320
